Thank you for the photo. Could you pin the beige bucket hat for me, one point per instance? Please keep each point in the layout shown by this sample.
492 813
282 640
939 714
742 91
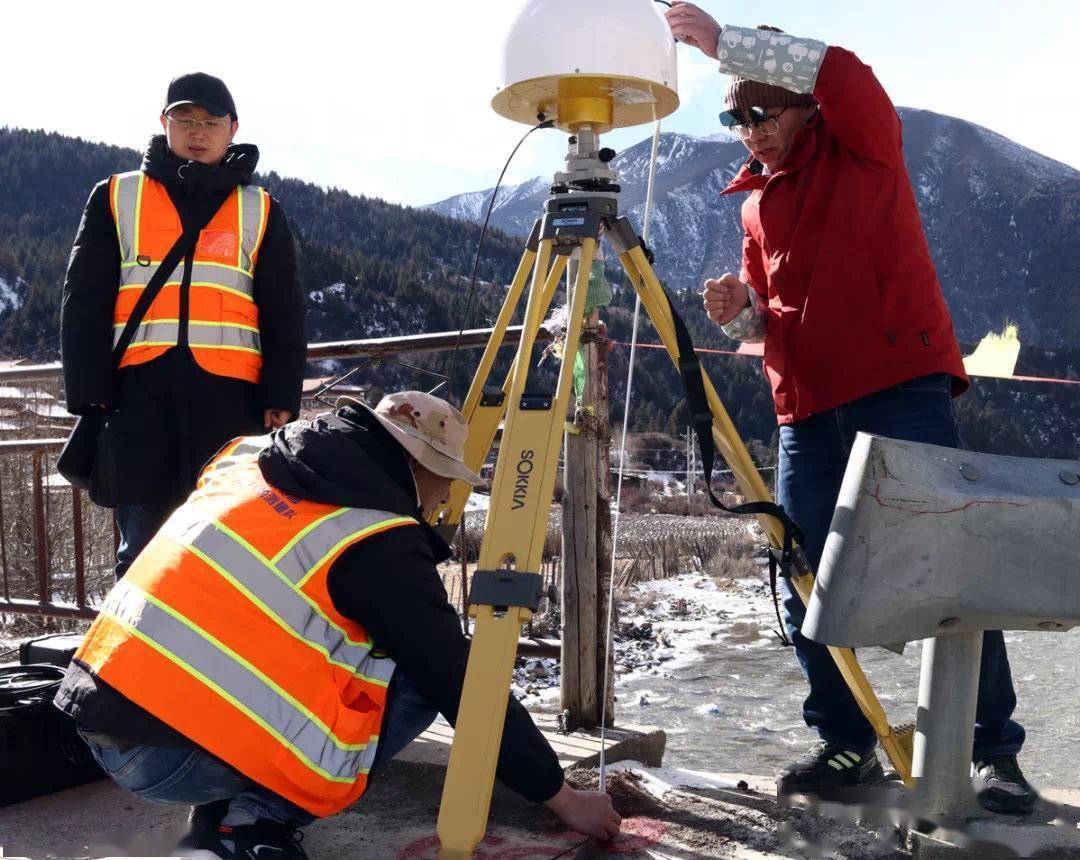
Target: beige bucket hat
427 427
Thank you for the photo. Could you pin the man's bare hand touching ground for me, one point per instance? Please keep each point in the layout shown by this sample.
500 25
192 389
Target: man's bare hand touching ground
725 297
588 812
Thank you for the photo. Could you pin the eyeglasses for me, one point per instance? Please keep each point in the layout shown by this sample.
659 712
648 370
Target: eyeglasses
210 125
758 119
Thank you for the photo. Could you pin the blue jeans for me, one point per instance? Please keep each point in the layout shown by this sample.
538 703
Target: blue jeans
813 456
190 776
137 525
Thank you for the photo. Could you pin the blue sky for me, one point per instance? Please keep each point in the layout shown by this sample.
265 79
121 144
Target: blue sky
391 99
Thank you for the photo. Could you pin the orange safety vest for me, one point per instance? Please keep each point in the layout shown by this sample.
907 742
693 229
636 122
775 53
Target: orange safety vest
223 319
224 629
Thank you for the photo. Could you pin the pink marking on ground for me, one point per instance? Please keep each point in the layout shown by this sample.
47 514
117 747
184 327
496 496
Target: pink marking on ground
637 834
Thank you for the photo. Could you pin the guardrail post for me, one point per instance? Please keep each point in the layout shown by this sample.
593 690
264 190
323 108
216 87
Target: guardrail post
40 556
3 541
80 561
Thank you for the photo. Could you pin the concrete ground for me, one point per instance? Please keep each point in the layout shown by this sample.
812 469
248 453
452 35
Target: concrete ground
396 817
726 816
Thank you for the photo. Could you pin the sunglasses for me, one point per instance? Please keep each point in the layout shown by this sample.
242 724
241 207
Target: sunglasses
743 124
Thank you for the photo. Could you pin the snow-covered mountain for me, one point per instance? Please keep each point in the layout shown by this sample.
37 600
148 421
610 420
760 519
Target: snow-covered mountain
1002 220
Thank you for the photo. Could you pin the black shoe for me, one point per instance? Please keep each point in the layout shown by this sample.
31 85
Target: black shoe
204 819
1001 786
827 768
263 840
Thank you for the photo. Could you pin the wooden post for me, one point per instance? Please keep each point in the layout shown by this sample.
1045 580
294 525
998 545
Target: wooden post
579 633
586 527
463 534
598 382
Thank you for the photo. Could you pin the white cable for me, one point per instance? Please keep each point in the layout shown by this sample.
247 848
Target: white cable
608 657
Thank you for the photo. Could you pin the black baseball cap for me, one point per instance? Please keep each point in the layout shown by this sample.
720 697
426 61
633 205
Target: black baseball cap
199 88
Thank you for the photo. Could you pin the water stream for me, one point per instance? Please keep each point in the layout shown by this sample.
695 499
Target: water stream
734 703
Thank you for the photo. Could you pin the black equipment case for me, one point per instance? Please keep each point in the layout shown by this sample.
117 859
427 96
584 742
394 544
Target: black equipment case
40 751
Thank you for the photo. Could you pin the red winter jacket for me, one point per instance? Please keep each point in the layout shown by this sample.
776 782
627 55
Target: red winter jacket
834 245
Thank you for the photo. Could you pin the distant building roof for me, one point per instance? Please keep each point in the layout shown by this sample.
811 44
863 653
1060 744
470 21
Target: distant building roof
49 410
315 383
13 392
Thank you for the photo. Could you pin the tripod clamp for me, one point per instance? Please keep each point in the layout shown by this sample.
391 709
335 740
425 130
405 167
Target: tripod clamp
502 589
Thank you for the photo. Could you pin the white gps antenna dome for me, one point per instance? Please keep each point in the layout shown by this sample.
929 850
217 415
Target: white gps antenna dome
602 63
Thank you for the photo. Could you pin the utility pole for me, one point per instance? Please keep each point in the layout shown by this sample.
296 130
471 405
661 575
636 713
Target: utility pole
691 468
686 435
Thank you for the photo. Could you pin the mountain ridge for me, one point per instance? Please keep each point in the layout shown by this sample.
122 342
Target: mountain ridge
987 204
377 269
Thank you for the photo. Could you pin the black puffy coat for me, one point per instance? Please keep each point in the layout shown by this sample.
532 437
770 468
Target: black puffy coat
388 583
168 416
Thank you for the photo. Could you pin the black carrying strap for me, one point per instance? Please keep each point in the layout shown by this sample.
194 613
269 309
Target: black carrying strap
180 249
79 455
701 418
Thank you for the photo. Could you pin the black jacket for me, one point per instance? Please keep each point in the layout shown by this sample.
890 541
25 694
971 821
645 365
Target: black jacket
388 583
168 416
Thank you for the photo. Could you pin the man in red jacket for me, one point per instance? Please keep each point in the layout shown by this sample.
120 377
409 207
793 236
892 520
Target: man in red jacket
838 282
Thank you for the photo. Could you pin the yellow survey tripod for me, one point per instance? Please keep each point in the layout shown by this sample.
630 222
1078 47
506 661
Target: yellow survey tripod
582 207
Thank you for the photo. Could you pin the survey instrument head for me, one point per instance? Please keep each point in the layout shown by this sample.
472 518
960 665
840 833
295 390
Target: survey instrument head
600 63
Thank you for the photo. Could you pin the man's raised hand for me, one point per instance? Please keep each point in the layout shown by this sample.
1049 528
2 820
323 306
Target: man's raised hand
693 26
725 297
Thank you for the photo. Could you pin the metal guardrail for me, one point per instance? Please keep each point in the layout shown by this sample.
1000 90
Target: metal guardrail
382 347
44 605
40 448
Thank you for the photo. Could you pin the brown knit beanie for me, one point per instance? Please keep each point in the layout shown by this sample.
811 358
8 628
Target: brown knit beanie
743 93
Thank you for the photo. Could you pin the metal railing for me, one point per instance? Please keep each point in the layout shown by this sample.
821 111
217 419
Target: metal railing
28 555
42 560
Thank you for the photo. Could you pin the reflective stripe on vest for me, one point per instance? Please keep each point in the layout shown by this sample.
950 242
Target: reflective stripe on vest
228 279
232 452
165 332
223 327
235 679
224 629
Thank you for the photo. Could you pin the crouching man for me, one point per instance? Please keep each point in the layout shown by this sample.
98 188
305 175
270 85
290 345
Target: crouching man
286 633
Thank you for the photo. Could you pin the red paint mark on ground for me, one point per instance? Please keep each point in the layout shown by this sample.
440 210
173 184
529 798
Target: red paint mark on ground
637 834
536 848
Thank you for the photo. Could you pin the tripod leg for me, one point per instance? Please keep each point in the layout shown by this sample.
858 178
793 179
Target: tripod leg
483 414
750 483
514 539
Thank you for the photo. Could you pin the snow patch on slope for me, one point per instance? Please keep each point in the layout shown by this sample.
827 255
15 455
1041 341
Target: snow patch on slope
9 295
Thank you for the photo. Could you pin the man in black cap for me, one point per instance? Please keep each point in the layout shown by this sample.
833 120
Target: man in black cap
220 352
